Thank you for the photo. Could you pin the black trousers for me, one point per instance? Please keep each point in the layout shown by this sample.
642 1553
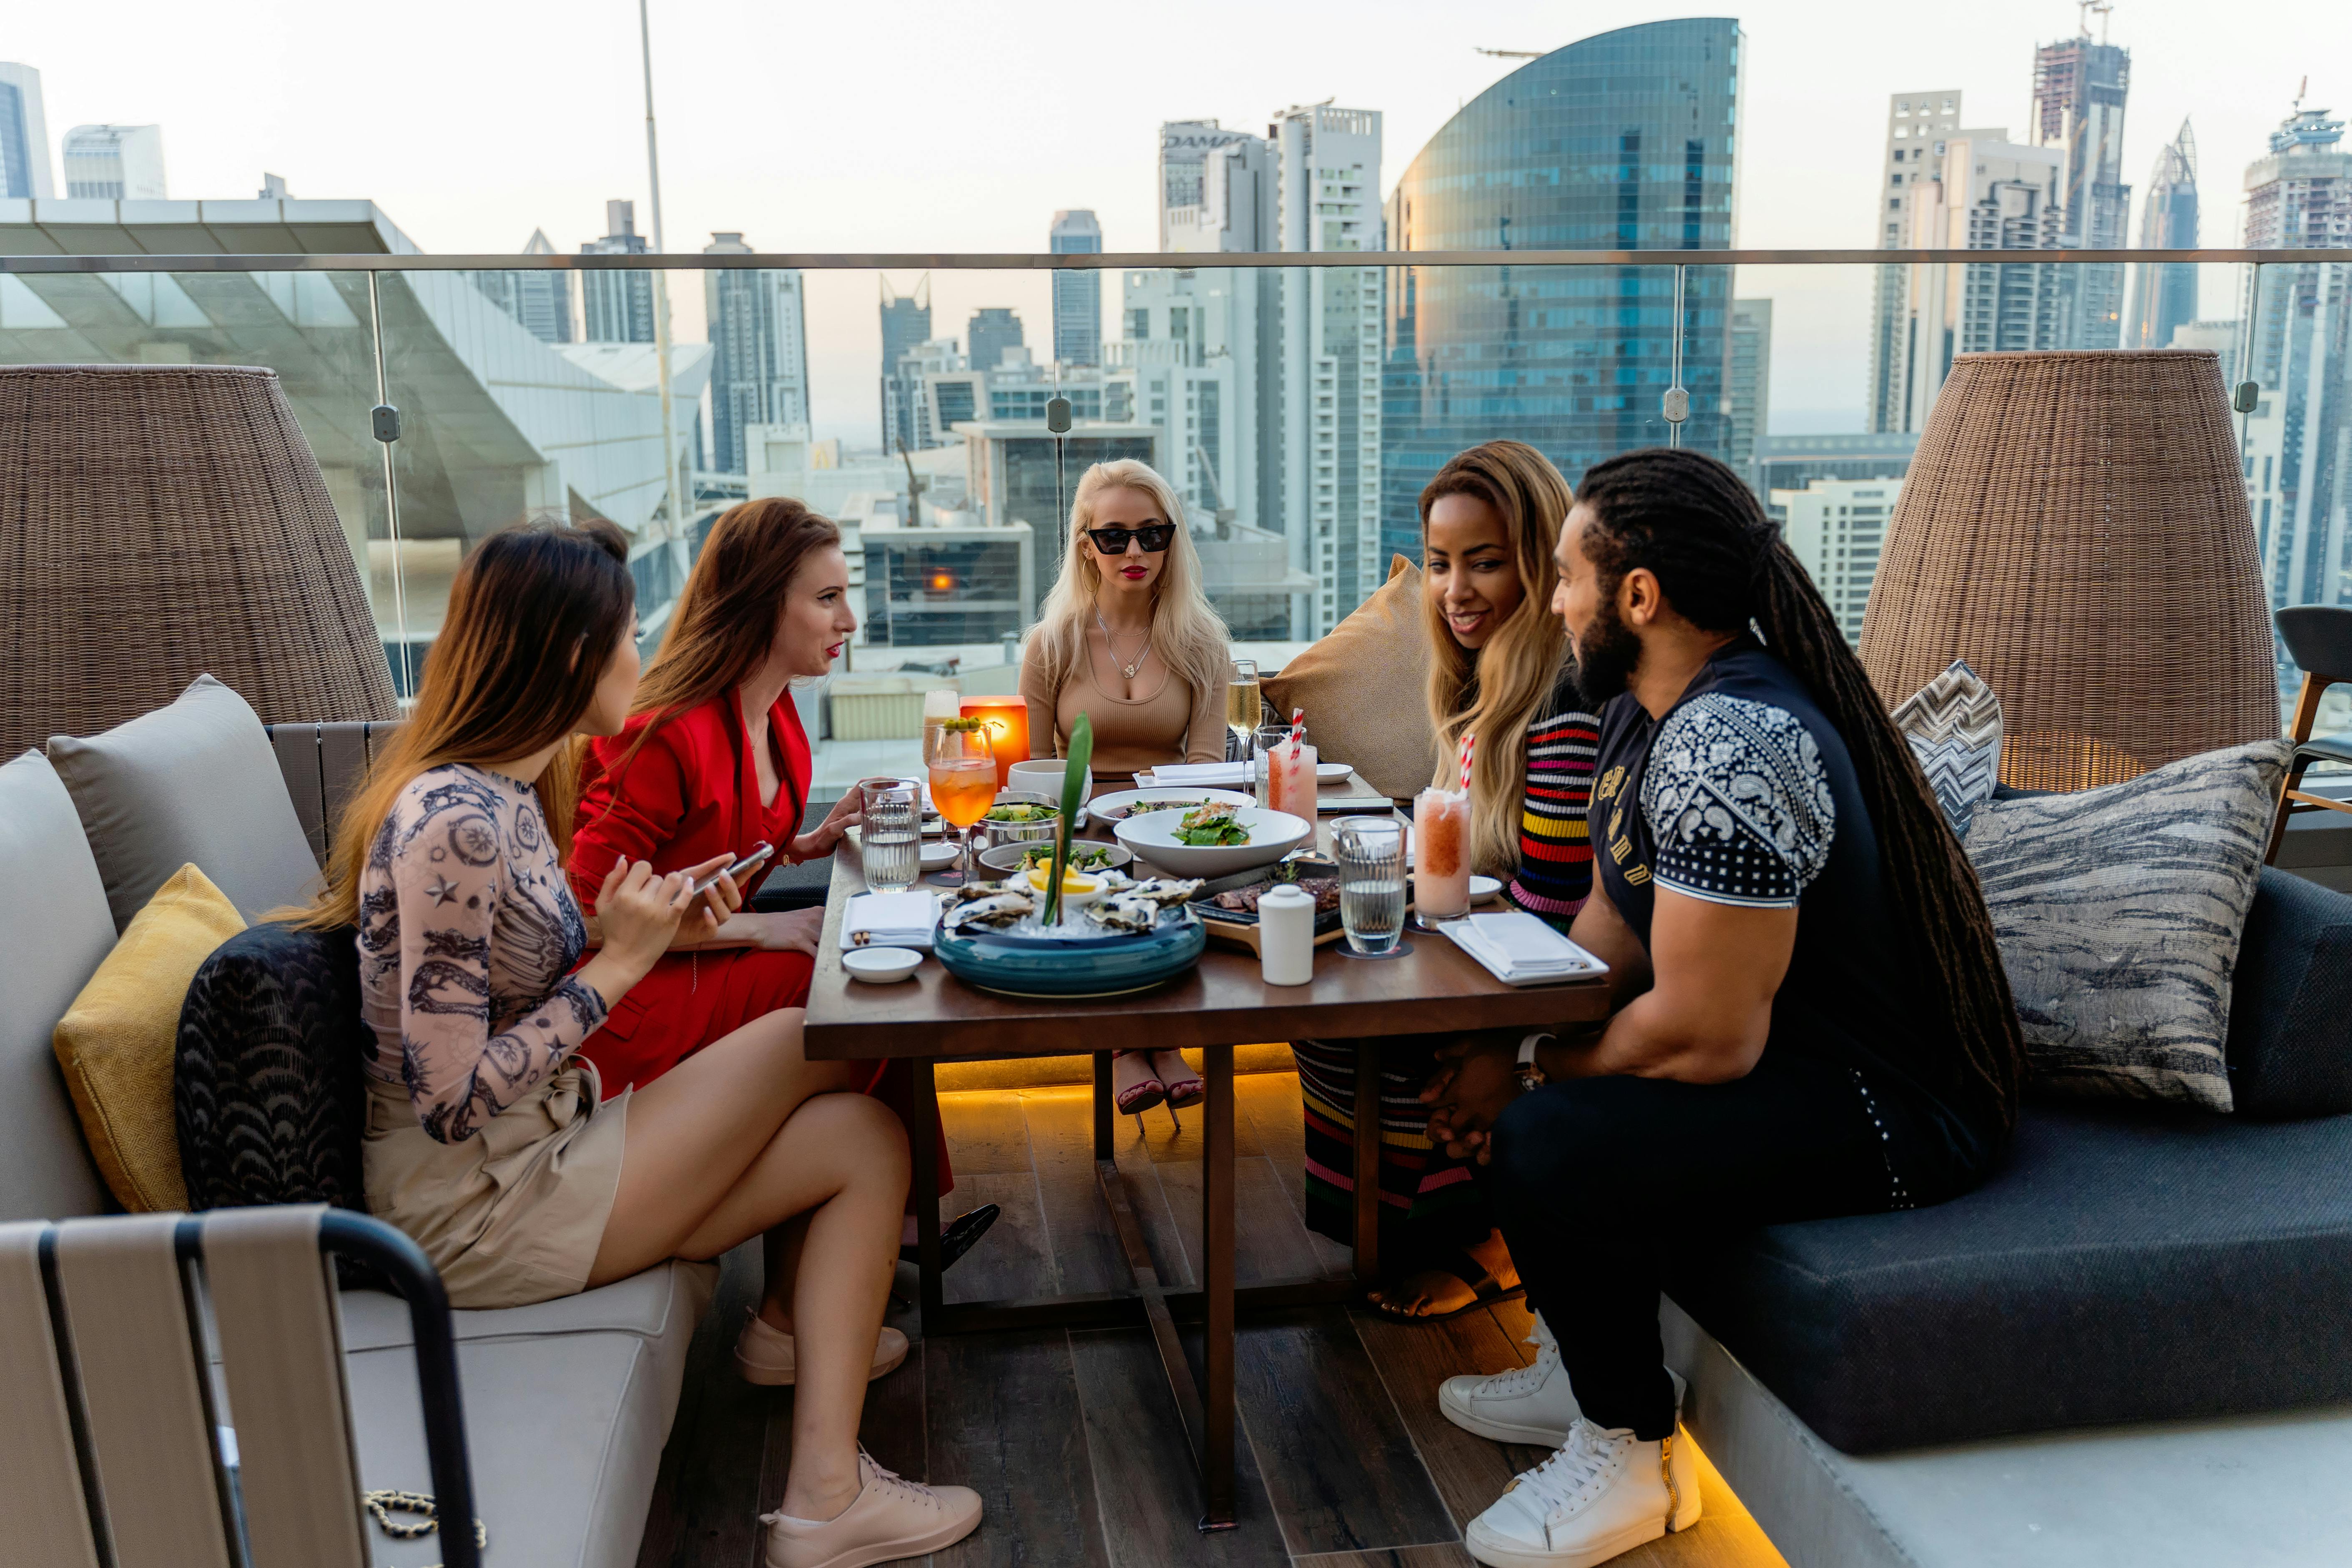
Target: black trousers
1597 1182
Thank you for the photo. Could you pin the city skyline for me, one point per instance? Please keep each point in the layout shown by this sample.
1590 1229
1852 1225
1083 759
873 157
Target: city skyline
1815 90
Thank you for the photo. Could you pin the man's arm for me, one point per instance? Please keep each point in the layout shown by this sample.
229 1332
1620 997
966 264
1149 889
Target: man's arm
1715 969
1601 932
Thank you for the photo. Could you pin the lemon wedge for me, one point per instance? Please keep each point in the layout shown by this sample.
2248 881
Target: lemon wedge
1071 881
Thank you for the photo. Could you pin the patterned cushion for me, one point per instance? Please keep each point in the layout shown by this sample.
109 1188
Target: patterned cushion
267 1092
2120 911
1953 723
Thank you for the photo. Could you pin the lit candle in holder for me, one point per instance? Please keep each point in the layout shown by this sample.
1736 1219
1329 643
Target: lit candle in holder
1007 720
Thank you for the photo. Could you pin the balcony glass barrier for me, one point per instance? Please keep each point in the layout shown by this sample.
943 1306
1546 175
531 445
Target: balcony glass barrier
1296 410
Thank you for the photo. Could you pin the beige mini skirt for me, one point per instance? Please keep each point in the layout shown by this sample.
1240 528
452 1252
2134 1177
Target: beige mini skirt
514 1214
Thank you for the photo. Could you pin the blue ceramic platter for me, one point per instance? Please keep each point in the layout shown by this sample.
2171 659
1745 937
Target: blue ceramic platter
1073 966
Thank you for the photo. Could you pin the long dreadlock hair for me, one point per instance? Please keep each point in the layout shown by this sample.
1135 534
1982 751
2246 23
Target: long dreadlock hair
1722 564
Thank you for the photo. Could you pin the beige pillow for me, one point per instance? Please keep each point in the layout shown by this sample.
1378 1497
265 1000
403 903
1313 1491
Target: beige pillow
1364 690
117 1042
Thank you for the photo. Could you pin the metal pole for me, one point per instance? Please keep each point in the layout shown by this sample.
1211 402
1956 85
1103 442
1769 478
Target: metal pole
661 283
1677 400
391 498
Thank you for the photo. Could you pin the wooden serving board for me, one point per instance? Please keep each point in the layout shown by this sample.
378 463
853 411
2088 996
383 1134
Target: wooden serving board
1246 934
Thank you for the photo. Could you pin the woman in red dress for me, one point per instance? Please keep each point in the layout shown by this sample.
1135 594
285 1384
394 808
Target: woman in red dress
713 761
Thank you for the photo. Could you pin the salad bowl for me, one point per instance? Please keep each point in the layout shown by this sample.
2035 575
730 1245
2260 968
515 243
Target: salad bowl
1160 837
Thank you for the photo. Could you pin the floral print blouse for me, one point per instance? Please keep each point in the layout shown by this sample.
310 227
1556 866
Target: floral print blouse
467 936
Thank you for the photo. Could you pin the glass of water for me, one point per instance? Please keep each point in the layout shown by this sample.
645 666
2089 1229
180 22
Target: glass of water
1371 853
890 842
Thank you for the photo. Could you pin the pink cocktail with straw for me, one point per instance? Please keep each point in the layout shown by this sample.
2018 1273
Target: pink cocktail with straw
1441 848
1290 772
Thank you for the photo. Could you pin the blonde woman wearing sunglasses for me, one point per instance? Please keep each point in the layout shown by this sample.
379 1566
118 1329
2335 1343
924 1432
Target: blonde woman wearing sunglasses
1128 638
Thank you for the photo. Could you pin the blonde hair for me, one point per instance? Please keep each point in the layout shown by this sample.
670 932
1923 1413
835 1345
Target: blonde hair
1497 692
1186 633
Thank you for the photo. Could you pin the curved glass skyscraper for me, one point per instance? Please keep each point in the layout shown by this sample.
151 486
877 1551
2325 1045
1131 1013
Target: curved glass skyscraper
1624 141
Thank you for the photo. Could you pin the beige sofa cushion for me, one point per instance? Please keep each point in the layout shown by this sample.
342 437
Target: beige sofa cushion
196 781
54 932
1363 688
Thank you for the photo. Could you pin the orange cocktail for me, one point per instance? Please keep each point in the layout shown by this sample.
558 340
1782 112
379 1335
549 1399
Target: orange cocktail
963 782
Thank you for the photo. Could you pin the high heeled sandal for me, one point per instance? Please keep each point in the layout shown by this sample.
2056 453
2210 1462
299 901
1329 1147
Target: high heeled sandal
1187 1090
1141 1096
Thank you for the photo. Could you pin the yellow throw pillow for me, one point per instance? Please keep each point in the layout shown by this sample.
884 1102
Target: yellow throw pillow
1364 689
118 1040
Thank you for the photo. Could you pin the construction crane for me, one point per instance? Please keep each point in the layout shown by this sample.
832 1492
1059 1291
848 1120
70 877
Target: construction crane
2101 9
1512 54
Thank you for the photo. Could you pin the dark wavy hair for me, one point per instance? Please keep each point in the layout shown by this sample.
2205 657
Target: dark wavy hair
1722 564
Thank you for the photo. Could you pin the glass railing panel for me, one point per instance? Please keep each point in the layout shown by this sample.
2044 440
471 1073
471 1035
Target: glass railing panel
311 328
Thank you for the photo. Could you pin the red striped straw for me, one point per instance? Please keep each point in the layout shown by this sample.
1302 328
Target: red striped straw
1298 731
1469 744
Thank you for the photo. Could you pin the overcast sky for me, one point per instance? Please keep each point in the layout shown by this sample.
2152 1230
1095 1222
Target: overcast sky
928 126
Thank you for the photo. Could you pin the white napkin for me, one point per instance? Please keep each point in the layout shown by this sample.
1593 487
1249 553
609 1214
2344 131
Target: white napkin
1517 946
1171 773
889 919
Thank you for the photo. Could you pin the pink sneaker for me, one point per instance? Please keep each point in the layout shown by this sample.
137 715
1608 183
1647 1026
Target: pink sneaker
764 1354
891 1517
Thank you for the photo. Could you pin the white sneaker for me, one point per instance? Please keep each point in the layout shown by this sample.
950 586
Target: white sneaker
1526 1404
1605 1492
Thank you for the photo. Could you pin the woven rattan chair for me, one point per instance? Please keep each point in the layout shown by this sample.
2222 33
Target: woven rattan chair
160 521
2074 526
2319 638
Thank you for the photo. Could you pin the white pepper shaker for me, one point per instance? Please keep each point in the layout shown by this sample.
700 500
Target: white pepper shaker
1285 928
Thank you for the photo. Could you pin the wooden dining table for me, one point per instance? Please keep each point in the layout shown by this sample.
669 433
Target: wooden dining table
1220 1003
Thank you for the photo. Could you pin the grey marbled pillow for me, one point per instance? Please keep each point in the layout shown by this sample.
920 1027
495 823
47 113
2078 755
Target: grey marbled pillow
2119 912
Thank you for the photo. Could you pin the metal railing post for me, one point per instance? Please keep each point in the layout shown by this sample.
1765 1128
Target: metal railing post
387 432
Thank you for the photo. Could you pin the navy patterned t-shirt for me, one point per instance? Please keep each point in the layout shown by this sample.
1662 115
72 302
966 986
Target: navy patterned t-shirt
1744 793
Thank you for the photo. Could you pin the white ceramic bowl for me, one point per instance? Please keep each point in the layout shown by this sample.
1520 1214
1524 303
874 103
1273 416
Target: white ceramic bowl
1005 858
1483 888
1044 777
880 965
1272 835
1128 800
940 856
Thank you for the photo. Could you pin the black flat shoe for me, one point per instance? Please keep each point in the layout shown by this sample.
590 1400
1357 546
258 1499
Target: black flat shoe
956 1238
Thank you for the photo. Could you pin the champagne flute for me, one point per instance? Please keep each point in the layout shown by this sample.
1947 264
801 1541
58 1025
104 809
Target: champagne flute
964 785
1242 704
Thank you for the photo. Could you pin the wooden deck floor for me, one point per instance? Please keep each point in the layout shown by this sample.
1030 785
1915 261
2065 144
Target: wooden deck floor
1070 1436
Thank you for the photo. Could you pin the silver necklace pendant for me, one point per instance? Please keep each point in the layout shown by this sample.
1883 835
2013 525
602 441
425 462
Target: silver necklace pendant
1112 643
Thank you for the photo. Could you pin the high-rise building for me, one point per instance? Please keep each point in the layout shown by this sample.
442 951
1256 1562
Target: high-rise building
1917 125
1078 296
2078 108
2164 293
1985 194
759 342
1327 198
993 329
1624 141
1748 387
24 135
1792 462
1837 529
539 301
618 307
2298 197
1216 189
115 163
905 323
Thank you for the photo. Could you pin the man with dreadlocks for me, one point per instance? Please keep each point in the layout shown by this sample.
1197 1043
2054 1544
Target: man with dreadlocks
1808 1014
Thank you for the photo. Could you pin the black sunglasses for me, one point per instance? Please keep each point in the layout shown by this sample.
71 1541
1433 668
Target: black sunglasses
1156 537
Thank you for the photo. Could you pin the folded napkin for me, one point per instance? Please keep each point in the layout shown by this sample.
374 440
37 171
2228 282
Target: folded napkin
1170 774
1517 948
889 919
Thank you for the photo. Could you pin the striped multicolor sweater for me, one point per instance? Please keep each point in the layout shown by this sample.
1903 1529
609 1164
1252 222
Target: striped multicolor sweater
1555 873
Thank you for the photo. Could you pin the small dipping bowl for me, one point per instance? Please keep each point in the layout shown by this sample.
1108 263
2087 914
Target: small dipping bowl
1483 888
880 965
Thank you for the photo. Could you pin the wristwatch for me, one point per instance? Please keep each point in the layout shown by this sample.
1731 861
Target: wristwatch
1530 1074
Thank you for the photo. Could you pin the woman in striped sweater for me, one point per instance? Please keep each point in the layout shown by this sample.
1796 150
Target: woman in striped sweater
1498 670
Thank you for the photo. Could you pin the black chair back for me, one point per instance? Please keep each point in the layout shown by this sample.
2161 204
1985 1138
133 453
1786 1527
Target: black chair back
2319 638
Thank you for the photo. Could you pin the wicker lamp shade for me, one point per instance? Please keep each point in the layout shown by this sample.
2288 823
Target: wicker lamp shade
158 522
2074 526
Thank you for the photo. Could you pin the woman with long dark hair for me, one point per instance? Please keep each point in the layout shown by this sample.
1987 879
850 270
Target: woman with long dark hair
712 760
1497 669
1811 1014
489 1139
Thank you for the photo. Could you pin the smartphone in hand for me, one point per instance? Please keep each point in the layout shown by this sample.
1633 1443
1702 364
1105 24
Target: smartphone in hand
753 858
